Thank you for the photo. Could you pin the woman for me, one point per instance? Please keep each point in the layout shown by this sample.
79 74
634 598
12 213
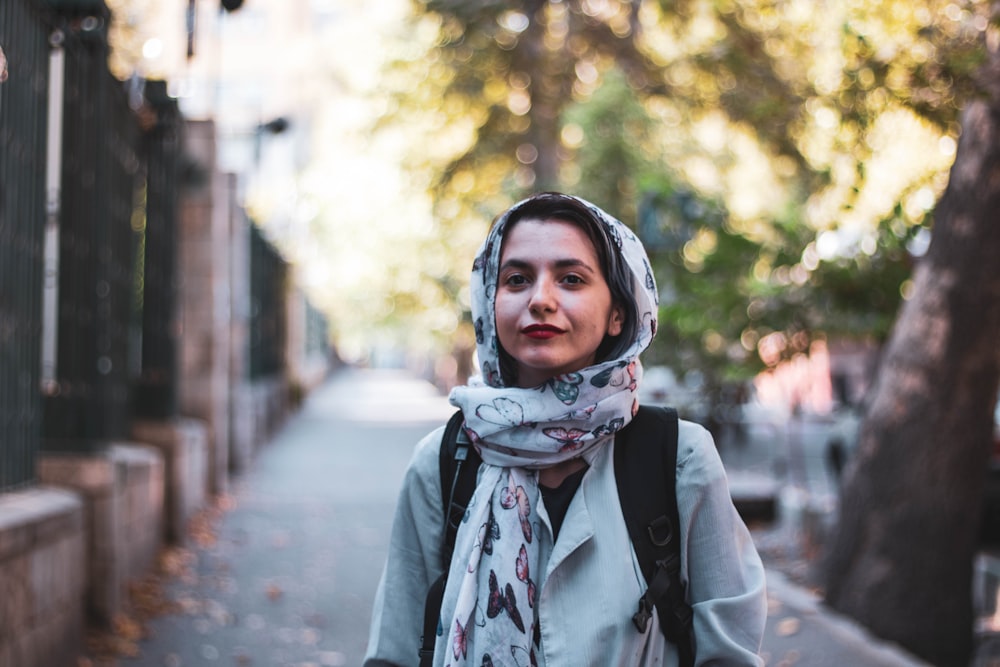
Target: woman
543 572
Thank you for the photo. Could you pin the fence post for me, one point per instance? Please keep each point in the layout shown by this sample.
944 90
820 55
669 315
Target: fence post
156 261
24 40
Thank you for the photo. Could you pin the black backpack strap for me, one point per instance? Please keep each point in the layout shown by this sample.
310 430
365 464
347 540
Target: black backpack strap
432 609
646 474
459 464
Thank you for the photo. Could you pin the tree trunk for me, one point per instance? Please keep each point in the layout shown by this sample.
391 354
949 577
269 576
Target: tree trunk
900 561
550 89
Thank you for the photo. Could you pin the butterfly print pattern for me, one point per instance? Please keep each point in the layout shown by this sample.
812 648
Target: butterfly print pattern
481 264
650 282
606 376
500 611
514 496
610 428
581 414
633 384
566 387
611 229
503 601
459 642
524 576
503 412
480 339
489 532
569 439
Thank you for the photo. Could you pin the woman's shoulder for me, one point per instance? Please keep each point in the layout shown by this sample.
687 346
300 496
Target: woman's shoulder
692 436
427 451
696 451
423 472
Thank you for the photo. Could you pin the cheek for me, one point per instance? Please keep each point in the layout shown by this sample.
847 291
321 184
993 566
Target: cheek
505 314
597 313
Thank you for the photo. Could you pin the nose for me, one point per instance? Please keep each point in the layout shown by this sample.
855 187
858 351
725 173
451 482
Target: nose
543 297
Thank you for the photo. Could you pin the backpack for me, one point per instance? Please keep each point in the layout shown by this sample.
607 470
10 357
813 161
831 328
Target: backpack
645 471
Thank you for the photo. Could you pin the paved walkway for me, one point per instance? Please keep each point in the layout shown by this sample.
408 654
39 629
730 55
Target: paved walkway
286 574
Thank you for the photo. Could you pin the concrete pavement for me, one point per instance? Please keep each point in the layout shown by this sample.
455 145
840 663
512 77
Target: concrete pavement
286 572
801 631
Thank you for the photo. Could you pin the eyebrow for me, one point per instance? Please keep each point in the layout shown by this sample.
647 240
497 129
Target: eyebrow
568 263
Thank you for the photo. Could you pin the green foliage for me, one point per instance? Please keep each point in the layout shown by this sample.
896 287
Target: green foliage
613 154
514 68
706 283
648 109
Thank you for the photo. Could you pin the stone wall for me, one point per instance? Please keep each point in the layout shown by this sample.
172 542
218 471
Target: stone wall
122 493
43 575
183 444
259 409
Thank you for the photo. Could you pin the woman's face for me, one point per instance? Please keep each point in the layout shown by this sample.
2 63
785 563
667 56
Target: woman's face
553 306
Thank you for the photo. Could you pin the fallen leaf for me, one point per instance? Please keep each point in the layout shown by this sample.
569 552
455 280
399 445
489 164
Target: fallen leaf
787 627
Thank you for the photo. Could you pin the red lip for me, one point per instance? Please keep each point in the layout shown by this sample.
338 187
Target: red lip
541 331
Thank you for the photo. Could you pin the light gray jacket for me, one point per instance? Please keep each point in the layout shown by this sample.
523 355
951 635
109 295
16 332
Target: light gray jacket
591 582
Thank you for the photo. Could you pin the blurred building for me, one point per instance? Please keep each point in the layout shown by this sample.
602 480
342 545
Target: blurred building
272 75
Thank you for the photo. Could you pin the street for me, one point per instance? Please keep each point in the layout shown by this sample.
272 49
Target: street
286 571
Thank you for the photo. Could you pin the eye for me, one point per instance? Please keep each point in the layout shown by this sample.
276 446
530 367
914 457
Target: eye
515 280
573 279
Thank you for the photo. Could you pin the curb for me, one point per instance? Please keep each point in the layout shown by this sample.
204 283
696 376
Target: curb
840 629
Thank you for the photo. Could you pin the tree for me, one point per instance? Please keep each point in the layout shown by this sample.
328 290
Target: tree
511 70
901 557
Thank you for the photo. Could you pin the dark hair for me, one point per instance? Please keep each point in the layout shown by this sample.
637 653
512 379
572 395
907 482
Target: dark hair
616 272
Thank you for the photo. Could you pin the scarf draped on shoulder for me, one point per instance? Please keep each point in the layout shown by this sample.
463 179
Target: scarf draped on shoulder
489 602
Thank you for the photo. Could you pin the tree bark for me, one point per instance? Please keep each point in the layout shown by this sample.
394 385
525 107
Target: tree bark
900 559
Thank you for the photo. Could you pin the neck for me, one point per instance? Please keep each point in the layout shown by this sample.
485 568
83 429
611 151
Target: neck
553 476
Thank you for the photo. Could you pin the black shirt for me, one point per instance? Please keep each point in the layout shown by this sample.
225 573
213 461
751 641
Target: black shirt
557 500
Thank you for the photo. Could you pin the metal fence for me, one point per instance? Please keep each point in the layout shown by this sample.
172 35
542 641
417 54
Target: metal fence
88 403
24 40
267 326
89 180
154 219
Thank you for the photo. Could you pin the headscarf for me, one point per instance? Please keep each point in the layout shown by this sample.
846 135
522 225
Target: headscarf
489 602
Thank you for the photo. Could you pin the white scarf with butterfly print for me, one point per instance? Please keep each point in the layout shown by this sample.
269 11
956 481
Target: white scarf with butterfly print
488 610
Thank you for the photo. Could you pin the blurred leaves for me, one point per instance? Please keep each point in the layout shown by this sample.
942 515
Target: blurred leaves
147 596
788 155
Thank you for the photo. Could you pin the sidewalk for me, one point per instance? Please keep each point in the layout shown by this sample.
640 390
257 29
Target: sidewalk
800 630
289 573
780 479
